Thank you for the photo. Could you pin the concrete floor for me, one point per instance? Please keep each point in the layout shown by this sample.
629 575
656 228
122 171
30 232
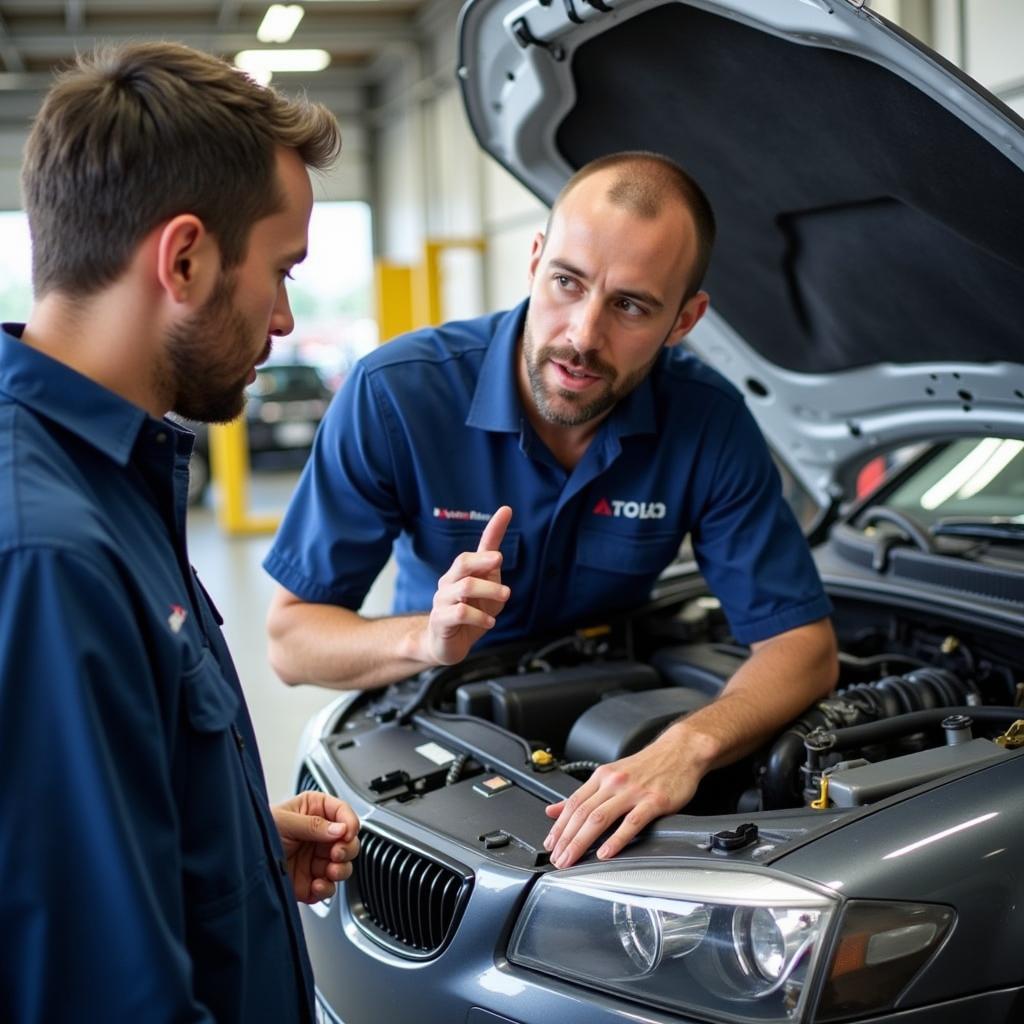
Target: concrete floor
230 568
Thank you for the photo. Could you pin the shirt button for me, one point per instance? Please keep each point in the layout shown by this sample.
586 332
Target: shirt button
552 572
161 437
239 741
282 865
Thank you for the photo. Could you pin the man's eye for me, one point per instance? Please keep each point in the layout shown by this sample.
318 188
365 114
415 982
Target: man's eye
630 307
563 281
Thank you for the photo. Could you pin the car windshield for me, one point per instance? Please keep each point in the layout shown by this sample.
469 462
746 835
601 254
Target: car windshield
976 478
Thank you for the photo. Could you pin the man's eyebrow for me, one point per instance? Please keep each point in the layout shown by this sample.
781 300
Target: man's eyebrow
644 298
568 268
633 294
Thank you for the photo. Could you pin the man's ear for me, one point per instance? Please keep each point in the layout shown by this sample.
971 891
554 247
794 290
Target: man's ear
688 317
536 251
188 259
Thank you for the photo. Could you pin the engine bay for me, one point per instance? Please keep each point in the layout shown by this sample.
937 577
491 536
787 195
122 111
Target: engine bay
919 698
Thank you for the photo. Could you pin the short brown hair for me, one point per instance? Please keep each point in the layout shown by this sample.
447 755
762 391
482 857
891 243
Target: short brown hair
646 182
133 135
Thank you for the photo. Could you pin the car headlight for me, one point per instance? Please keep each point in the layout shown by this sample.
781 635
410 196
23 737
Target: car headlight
737 945
740 945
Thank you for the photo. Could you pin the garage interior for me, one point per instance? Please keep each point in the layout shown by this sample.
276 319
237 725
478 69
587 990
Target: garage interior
449 230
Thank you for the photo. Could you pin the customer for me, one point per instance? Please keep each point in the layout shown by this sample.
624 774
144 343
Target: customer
580 410
145 877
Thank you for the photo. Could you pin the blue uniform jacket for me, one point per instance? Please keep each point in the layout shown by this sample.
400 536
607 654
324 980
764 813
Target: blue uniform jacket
142 875
428 437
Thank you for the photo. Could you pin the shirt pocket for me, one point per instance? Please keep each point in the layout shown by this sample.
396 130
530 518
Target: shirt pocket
644 555
210 702
439 544
222 849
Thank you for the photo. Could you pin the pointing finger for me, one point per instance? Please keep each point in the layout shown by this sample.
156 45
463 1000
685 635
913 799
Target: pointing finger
494 531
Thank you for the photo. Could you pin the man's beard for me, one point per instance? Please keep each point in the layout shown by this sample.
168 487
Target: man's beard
577 409
209 358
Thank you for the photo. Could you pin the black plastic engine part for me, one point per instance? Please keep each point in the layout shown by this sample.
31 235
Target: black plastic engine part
730 840
702 667
545 704
621 725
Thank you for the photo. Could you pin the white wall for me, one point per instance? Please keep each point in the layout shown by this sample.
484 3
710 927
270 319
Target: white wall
986 38
463 193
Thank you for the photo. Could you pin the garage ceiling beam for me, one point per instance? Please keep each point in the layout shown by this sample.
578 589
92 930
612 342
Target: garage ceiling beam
363 35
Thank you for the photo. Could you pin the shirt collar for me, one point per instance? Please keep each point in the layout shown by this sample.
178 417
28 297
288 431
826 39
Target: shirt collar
496 404
75 402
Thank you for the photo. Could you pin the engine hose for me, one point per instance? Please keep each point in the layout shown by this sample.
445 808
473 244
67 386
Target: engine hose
855 736
780 783
886 698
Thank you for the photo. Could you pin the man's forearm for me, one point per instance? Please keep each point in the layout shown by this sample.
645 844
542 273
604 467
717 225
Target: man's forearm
782 677
336 647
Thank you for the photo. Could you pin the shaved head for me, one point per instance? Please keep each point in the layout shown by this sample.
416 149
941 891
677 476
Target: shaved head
643 185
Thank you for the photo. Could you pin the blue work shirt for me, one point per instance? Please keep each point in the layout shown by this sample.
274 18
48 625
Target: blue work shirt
142 873
428 438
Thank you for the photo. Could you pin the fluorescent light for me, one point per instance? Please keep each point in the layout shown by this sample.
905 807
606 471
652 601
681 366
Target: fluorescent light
279 23
945 488
259 63
997 462
259 75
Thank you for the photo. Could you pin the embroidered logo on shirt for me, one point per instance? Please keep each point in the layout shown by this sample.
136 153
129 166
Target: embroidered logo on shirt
631 509
177 618
454 513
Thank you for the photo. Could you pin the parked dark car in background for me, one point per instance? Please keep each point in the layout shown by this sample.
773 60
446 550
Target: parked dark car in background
867 298
283 408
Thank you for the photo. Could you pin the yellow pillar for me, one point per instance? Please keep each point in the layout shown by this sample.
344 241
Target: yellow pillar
229 465
411 297
394 299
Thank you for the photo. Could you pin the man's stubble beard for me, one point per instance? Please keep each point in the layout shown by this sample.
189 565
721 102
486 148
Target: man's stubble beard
207 359
582 410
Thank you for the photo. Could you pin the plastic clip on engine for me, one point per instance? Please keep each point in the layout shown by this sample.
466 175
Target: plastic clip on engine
730 840
392 780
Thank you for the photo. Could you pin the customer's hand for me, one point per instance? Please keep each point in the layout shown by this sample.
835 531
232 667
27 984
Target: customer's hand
469 596
319 834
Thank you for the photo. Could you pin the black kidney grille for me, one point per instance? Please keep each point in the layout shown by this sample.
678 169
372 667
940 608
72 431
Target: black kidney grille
407 898
307 783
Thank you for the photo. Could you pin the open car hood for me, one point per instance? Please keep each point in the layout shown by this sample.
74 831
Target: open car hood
868 280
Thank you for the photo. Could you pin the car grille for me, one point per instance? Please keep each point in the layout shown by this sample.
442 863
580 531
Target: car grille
404 899
307 782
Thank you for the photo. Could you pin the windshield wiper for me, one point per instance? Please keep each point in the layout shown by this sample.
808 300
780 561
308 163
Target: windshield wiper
1001 528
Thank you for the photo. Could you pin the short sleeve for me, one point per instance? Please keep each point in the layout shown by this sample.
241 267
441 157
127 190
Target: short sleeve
749 545
92 909
343 518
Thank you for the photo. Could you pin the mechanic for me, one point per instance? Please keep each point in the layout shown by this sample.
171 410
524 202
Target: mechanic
580 409
145 876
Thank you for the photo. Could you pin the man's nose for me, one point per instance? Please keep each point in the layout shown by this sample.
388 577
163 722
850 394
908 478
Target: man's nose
281 320
586 329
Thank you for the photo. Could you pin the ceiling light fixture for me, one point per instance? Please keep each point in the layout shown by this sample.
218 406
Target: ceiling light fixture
261 64
279 23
